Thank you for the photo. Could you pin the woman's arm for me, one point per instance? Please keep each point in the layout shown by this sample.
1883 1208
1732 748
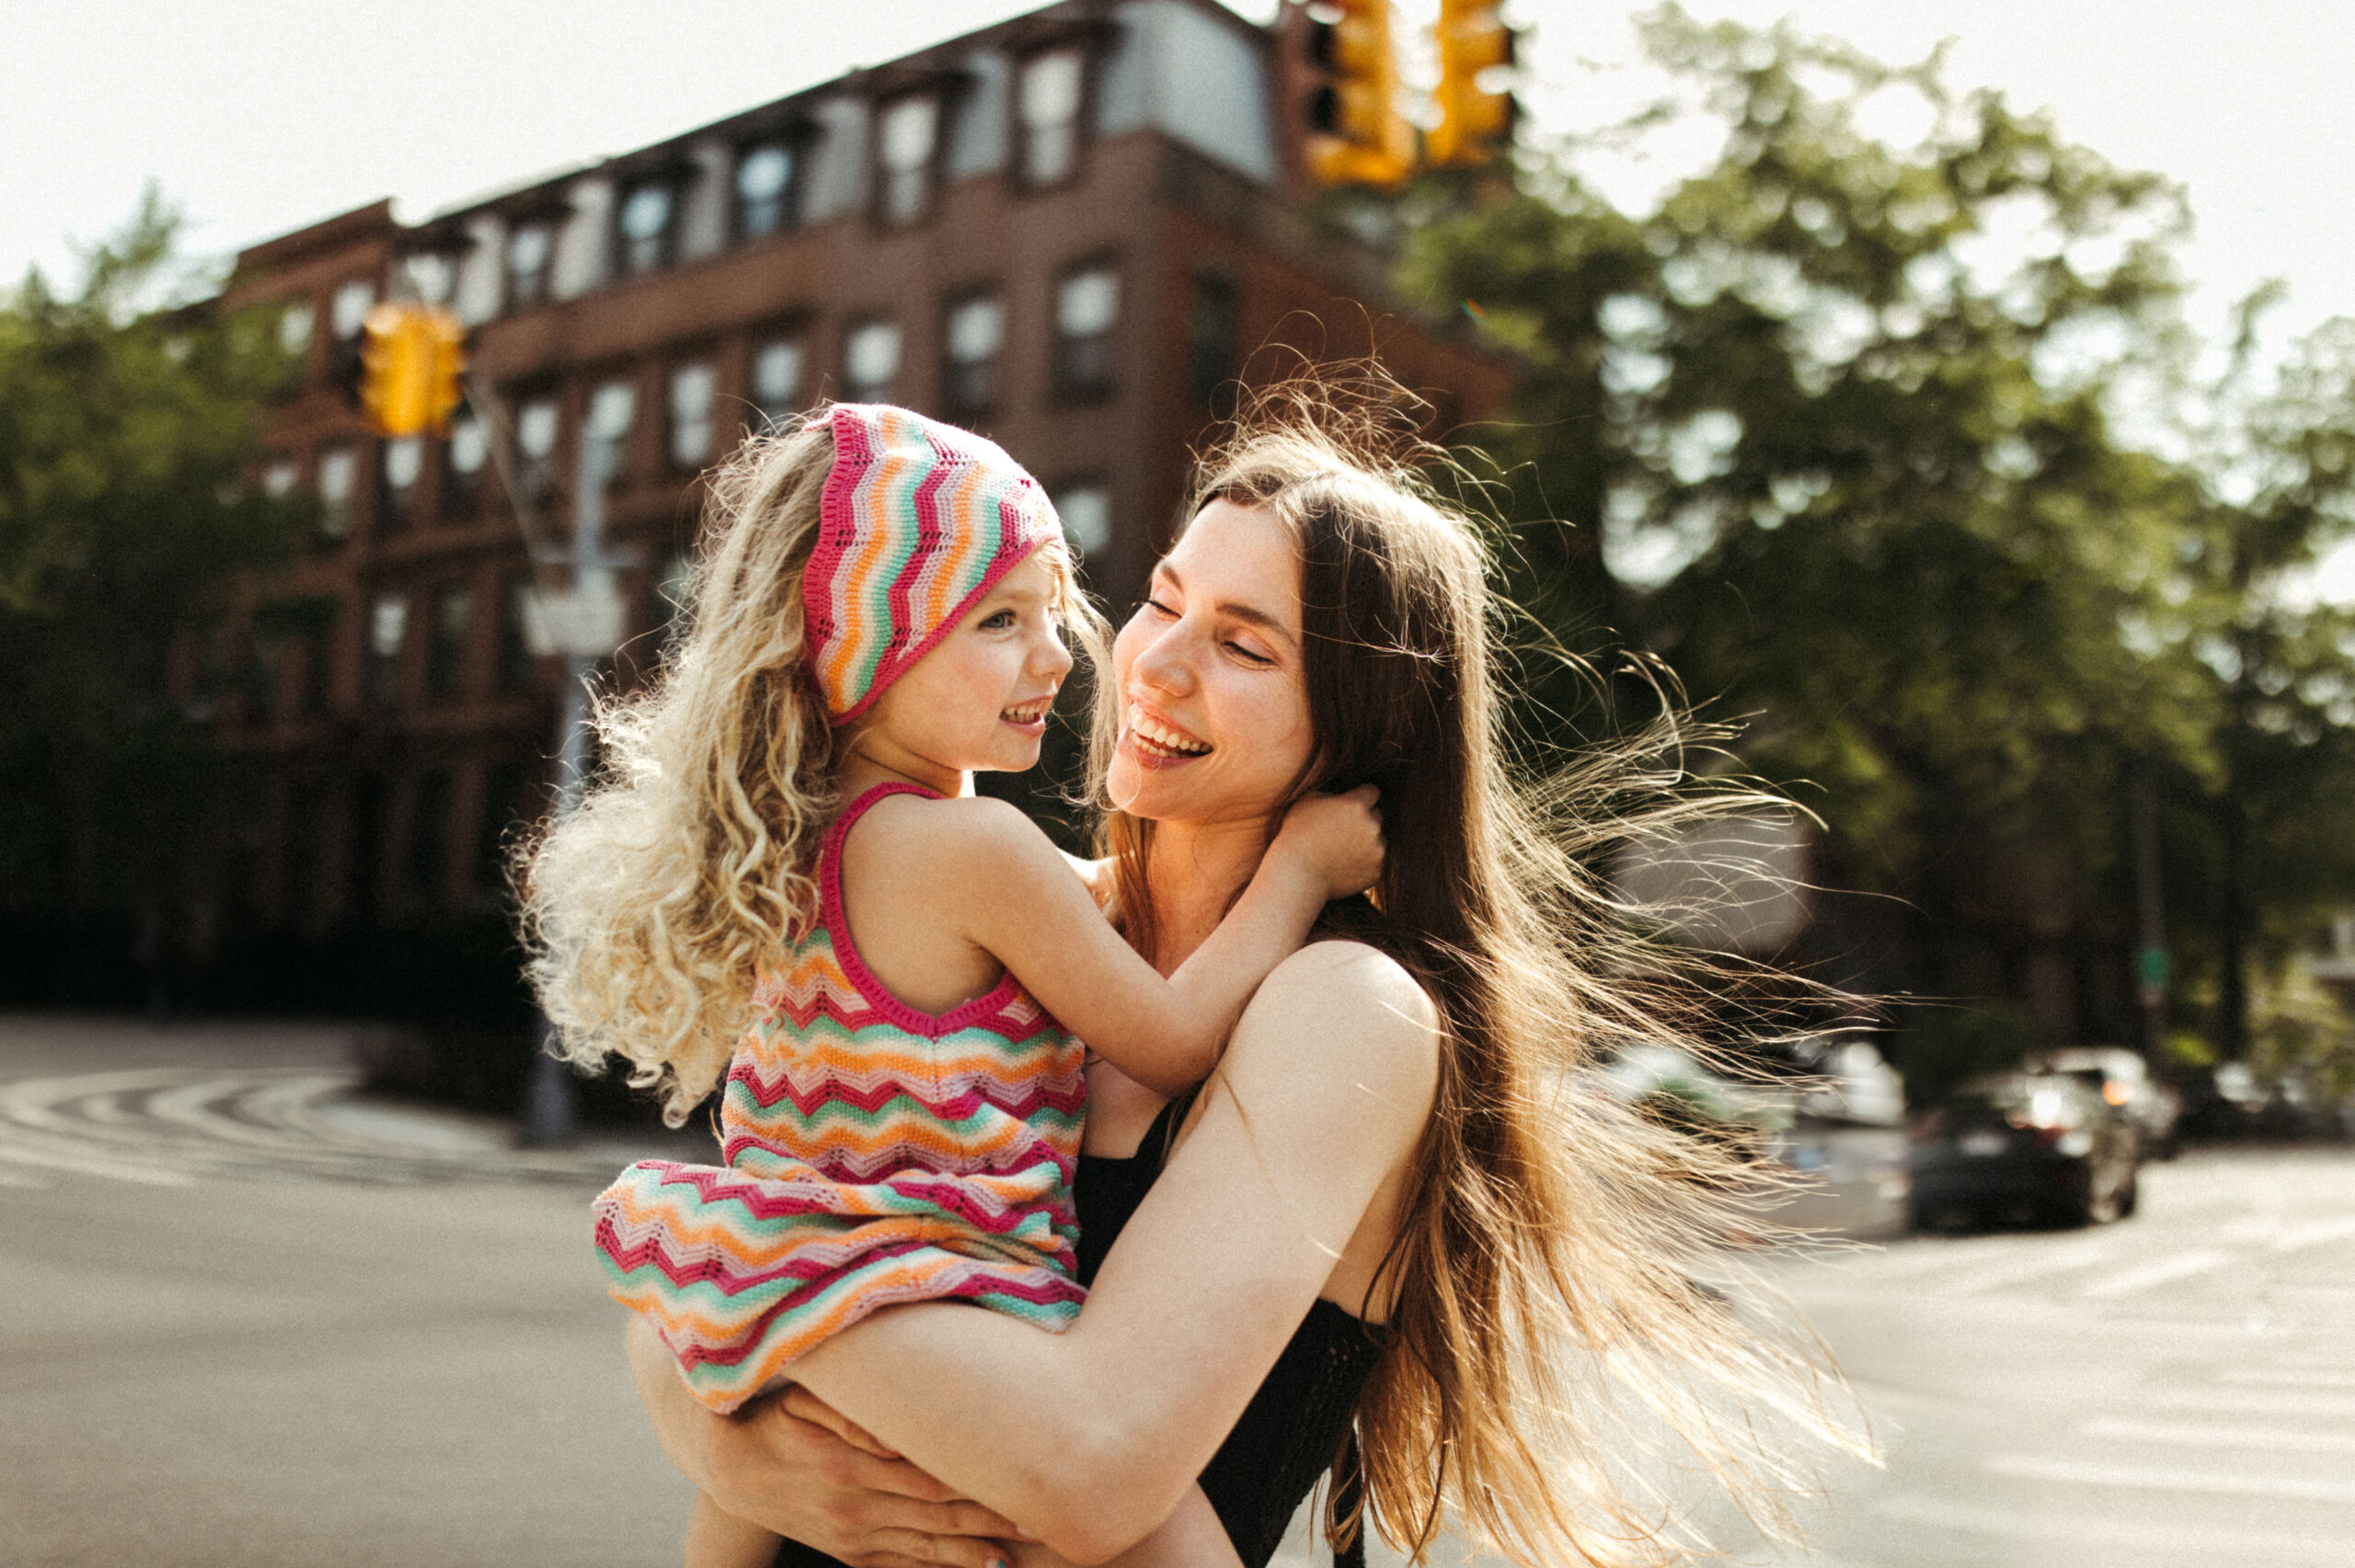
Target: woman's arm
848 1498
1090 1438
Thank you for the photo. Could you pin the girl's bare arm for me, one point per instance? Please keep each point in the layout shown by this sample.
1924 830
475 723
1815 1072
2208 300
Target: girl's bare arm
1009 893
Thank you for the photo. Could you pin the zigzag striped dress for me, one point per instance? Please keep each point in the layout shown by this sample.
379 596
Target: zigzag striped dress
876 1154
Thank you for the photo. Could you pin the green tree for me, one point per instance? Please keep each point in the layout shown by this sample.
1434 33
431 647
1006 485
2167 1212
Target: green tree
128 424
1831 430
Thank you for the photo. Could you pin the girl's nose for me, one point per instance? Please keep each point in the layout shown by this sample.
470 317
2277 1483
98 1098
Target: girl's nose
1053 658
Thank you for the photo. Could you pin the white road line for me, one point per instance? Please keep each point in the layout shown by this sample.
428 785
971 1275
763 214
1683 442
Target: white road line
2165 1271
2270 1439
59 1155
2235 1546
2253 1402
2057 1259
2315 1234
2079 1472
2288 1378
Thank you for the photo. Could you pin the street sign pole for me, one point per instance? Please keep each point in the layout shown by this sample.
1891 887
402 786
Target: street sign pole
584 624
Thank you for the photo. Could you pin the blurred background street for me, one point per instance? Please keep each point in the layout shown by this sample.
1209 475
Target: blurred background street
1965 430
254 1318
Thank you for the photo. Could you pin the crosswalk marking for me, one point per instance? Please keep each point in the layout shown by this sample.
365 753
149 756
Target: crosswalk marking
172 1126
2080 1472
2082 1529
2270 1440
2300 1237
2165 1271
2255 1401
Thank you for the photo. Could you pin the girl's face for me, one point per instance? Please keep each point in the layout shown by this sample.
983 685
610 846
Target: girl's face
1213 699
978 700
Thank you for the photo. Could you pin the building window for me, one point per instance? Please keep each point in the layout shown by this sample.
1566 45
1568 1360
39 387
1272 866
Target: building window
1088 306
973 342
871 362
446 660
911 130
1085 507
514 671
1047 109
646 227
1211 344
353 301
432 274
339 478
613 409
258 677
318 668
764 190
468 454
429 838
387 628
404 465
536 427
279 478
528 251
776 378
693 389
294 327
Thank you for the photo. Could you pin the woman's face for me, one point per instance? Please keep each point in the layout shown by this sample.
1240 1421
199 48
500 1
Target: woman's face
1213 703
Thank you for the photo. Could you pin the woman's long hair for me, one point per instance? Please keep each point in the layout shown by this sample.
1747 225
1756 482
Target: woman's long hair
1550 1322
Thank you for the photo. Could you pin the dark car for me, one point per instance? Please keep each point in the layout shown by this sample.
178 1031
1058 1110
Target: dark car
2024 1148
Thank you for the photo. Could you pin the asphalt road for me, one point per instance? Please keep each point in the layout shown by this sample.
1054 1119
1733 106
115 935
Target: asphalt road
246 1318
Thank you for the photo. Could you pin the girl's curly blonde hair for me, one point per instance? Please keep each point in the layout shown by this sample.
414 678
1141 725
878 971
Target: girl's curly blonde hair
647 911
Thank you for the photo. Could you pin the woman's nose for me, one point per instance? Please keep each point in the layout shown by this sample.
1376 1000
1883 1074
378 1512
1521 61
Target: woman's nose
1166 663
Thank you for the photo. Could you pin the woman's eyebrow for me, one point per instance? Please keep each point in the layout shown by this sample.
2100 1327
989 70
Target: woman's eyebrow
1234 608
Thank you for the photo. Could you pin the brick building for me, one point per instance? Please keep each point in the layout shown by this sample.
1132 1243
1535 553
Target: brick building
1066 231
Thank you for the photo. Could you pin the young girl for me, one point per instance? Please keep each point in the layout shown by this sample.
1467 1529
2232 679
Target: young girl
901 1119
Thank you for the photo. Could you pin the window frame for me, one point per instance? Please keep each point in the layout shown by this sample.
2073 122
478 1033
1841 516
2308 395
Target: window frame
852 328
992 395
1066 386
795 143
1019 136
880 170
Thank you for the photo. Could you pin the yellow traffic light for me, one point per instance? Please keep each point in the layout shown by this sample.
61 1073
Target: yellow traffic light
1356 135
1472 120
410 358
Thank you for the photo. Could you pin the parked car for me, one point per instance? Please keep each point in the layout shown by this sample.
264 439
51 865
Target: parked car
2123 1078
1839 1126
2024 1148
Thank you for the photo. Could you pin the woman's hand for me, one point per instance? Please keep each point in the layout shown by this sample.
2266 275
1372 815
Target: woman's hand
1336 838
794 1465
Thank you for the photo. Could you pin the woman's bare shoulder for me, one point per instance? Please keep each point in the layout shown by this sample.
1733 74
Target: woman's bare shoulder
1343 1007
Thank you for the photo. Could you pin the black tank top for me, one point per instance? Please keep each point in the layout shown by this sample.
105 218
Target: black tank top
1297 1425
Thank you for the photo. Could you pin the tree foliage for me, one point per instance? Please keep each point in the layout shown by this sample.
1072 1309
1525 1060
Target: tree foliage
1833 429
128 424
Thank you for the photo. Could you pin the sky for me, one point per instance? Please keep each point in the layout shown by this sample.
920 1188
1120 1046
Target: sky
260 118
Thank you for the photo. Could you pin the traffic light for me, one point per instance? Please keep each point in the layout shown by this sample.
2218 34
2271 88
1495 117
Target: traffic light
1356 135
410 358
1472 120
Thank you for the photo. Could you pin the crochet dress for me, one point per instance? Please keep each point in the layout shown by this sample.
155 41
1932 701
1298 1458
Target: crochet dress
876 1154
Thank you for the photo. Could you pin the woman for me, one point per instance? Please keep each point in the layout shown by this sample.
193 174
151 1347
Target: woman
1384 1174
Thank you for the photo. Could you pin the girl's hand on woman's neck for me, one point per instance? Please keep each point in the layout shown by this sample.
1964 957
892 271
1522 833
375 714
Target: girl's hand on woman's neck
1193 874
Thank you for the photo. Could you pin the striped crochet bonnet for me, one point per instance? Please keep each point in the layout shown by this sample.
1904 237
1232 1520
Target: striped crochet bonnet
916 520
